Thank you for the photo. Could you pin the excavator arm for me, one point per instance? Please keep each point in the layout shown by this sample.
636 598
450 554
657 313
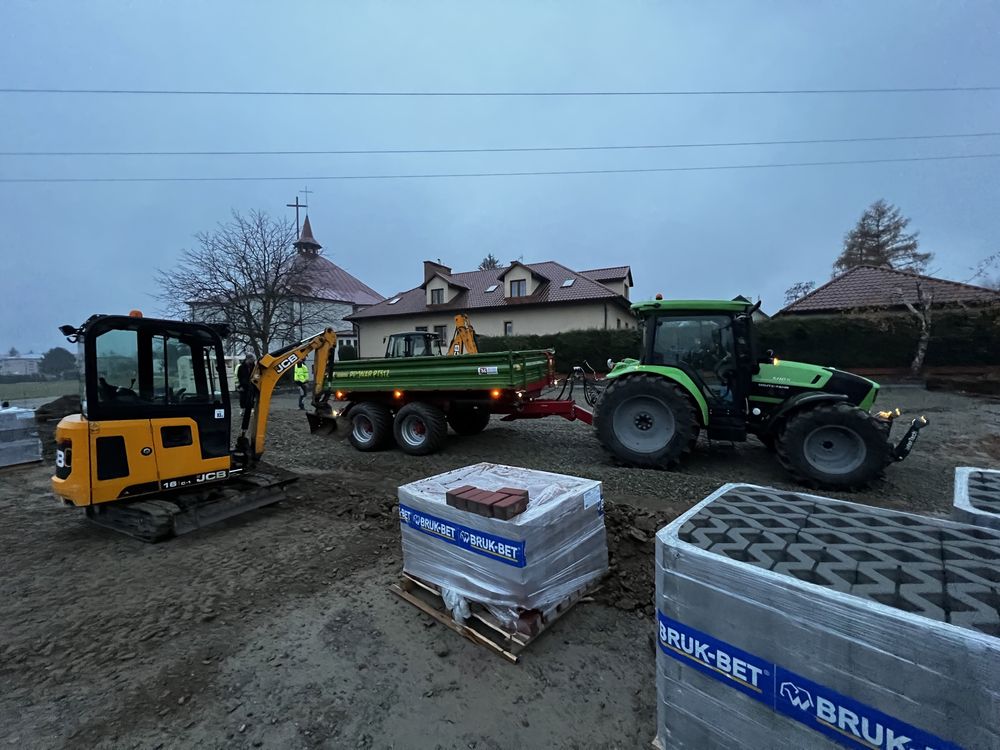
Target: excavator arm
464 340
269 371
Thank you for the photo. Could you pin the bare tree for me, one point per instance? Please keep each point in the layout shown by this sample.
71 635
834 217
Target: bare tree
243 273
798 290
489 263
920 306
880 239
987 272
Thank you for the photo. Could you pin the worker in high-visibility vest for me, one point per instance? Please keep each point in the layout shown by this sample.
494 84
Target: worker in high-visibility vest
301 376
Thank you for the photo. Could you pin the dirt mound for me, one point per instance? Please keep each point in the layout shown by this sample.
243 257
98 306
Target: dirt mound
631 538
58 408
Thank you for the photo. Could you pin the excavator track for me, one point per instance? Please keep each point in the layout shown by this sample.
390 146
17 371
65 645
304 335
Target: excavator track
161 517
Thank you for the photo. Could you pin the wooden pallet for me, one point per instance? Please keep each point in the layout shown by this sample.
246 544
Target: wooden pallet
482 627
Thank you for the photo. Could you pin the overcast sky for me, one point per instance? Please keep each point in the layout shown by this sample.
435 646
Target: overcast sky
69 250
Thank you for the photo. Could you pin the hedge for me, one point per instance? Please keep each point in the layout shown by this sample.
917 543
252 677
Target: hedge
958 338
594 345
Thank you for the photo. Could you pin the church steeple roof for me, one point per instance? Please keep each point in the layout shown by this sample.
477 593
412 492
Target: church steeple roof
306 243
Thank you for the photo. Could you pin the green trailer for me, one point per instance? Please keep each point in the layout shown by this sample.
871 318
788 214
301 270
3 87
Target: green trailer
413 400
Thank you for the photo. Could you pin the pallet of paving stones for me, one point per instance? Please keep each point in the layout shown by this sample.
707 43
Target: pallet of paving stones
510 539
793 620
19 443
977 497
482 628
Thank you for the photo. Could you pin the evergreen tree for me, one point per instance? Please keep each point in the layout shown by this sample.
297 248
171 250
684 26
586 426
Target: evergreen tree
880 239
489 263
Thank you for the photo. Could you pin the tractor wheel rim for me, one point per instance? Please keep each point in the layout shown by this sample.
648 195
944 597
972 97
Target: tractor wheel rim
363 429
413 430
644 424
834 449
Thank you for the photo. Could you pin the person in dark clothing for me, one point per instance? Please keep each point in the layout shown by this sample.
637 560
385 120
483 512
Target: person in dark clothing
243 384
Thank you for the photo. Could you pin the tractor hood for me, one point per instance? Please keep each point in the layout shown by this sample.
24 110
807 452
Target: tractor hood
802 376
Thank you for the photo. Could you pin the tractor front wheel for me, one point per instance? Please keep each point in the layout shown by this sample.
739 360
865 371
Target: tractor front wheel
834 446
645 420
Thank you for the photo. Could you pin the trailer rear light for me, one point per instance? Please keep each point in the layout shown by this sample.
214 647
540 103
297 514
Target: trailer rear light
495 393
397 394
340 395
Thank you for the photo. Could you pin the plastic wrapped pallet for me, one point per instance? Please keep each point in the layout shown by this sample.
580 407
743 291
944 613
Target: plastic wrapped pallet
19 441
530 562
788 620
977 497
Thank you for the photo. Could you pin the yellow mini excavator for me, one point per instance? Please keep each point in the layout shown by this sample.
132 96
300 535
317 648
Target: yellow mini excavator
151 454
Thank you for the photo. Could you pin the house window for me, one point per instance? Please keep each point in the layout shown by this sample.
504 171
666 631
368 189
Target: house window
437 296
442 333
519 288
508 328
619 322
420 328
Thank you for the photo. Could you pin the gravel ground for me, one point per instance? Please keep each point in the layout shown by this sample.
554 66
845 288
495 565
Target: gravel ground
277 629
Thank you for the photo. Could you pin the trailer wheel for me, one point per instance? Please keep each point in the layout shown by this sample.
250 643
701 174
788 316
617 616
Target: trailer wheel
371 427
645 421
833 446
420 429
468 420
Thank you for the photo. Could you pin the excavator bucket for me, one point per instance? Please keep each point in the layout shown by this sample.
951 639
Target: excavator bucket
321 423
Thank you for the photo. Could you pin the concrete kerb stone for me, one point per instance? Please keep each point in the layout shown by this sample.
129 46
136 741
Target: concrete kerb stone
977 497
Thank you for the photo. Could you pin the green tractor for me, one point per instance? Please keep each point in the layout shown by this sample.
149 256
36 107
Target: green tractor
700 370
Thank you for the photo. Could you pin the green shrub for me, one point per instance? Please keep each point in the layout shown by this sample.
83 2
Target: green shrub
594 345
958 338
347 351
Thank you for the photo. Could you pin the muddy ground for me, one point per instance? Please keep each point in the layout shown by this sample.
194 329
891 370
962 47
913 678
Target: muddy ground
278 630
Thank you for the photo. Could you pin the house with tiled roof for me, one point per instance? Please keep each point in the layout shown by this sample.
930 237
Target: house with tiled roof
523 298
868 288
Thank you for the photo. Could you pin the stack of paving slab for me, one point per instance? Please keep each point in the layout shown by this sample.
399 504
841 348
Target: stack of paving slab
788 620
977 497
531 562
19 443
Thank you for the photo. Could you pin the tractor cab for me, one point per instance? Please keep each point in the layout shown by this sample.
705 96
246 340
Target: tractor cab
413 344
711 343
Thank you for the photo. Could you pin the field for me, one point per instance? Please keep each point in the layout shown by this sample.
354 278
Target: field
278 630
37 390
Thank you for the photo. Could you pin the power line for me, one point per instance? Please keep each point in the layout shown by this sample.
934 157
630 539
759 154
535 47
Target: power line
666 92
706 168
503 150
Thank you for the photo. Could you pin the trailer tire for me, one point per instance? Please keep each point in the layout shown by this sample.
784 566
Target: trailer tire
420 429
833 446
645 421
468 420
371 426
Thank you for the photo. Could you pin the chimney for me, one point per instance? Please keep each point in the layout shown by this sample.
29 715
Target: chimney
431 268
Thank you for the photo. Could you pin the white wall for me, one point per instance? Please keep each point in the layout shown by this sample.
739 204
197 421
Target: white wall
527 320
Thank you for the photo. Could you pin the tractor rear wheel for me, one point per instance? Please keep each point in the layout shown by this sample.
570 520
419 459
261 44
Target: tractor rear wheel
646 421
468 420
420 429
834 446
371 426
